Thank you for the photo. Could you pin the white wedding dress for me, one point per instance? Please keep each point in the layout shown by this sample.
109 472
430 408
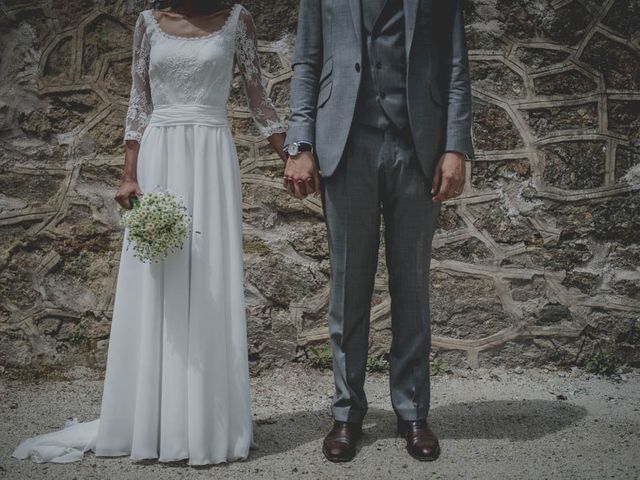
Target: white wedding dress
177 379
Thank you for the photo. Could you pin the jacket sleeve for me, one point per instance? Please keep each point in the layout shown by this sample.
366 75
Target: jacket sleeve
458 89
307 64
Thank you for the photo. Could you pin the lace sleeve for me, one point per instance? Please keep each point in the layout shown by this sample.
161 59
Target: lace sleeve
262 109
140 106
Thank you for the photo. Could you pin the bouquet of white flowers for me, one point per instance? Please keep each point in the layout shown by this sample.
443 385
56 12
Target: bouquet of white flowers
158 223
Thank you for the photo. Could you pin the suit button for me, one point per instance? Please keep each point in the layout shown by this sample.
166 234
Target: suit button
357 67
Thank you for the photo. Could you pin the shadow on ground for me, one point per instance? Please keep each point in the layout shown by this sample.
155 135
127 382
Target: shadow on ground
502 419
510 420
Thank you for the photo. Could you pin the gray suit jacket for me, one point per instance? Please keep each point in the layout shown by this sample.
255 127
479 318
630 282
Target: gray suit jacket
327 72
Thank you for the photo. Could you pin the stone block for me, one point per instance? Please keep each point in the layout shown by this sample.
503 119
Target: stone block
575 164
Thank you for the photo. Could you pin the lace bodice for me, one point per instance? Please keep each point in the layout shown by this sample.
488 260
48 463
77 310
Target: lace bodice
172 70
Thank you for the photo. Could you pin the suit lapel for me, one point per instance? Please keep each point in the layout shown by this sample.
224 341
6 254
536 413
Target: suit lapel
410 17
356 16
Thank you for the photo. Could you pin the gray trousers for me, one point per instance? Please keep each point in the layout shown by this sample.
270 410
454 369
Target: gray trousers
379 175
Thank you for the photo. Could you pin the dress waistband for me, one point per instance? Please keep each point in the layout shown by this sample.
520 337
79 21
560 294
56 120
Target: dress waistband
208 115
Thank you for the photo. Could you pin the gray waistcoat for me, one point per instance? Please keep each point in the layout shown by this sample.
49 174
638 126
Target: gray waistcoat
383 98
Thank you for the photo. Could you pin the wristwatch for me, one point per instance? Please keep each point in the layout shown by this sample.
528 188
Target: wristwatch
295 148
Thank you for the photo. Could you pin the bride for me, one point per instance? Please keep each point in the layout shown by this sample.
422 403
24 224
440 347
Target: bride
177 379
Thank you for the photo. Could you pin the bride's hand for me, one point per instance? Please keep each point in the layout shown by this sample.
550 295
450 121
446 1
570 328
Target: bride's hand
126 190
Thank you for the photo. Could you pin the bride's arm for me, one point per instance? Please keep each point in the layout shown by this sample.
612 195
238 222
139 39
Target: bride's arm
277 142
264 113
140 107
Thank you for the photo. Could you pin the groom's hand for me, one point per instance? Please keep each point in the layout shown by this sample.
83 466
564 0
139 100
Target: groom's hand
301 176
449 178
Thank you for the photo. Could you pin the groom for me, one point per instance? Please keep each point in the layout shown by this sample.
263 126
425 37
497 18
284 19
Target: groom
381 98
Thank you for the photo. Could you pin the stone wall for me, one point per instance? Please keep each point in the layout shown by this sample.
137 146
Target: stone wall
537 262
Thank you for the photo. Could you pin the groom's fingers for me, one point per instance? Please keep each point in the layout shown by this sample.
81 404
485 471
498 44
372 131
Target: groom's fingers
308 185
444 191
437 178
296 190
316 181
291 187
302 185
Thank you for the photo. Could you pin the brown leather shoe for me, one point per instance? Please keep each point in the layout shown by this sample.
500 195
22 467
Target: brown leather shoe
340 444
422 443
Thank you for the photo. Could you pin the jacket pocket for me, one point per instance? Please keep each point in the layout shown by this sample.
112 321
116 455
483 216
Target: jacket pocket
327 70
325 93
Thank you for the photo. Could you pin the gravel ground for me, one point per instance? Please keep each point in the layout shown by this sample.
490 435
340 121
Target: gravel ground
493 424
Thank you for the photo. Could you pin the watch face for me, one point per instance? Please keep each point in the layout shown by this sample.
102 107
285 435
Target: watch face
293 149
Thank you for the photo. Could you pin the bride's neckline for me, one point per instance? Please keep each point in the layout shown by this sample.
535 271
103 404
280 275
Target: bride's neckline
198 37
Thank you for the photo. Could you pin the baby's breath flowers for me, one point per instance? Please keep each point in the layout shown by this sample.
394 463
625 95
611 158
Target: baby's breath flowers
157 224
